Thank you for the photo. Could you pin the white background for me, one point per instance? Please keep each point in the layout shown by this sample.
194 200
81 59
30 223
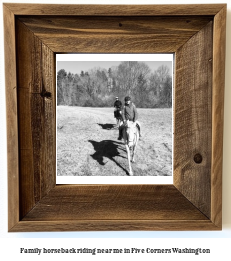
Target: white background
219 242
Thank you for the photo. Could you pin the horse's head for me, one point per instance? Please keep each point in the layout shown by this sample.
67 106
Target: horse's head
130 130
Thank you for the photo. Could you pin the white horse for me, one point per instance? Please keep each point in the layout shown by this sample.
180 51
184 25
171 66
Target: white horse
131 136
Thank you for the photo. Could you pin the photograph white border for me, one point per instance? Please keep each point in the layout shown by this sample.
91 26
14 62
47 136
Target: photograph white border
117 179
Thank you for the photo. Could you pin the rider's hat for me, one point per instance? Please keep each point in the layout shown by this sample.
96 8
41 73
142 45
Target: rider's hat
127 98
117 98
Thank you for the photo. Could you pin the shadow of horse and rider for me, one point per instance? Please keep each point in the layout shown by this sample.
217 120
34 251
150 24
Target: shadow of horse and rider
107 126
108 149
111 149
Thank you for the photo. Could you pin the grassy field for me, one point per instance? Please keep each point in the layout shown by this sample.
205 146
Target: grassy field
87 143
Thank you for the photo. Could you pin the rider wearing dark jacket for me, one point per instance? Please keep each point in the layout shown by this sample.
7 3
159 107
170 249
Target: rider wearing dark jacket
117 103
129 112
117 106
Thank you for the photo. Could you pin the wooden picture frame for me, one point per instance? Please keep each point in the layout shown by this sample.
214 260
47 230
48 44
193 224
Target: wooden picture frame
33 33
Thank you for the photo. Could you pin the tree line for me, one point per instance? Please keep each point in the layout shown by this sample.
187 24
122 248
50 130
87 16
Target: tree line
98 87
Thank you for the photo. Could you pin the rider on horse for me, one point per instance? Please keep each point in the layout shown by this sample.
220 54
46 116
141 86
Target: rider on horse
117 106
129 112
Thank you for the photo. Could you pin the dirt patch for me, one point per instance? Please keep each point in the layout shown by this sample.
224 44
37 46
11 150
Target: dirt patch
87 143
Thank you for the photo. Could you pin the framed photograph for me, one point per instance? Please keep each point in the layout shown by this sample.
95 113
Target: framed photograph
91 93
61 122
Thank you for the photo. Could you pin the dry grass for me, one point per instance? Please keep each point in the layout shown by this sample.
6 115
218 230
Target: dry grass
87 143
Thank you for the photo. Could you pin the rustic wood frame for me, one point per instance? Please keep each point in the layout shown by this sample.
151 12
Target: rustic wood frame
33 34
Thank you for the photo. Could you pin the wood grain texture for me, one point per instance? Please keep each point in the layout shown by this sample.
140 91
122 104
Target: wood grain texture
114 207
114 225
77 25
48 143
194 201
115 34
12 114
218 115
193 126
114 10
36 105
118 202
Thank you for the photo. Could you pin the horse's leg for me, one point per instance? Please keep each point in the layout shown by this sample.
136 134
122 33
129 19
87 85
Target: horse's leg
125 138
129 159
135 146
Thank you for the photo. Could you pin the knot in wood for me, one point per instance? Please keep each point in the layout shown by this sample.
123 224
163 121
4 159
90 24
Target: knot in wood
45 94
198 158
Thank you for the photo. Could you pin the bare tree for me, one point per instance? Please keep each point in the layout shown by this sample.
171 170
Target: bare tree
160 85
128 75
99 86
